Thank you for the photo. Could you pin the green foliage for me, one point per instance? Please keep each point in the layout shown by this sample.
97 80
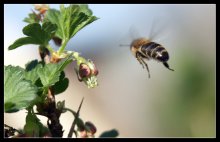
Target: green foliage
20 85
110 133
32 18
61 85
91 80
36 34
32 69
80 124
25 88
61 106
18 92
50 73
33 126
30 65
70 20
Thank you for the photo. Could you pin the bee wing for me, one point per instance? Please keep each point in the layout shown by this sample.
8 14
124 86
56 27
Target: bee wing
134 33
152 32
158 28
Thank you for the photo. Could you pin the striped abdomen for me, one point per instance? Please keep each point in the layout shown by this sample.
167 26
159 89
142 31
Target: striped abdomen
155 51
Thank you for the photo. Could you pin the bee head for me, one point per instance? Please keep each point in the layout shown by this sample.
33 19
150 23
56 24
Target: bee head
137 43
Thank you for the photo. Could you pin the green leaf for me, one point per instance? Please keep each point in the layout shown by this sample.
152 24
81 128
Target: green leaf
61 85
33 126
32 68
44 131
53 16
36 35
80 124
32 18
23 41
110 133
31 65
50 73
61 106
80 22
85 9
33 74
18 92
70 20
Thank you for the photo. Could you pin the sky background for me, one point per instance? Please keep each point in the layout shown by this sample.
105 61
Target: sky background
169 104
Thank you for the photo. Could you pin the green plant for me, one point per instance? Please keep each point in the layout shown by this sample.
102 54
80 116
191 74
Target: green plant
40 81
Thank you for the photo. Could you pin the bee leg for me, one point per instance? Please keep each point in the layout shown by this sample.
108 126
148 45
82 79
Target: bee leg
139 60
167 66
142 62
146 67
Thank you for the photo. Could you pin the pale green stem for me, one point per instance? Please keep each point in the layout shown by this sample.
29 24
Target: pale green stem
50 48
74 113
63 46
78 58
45 90
75 55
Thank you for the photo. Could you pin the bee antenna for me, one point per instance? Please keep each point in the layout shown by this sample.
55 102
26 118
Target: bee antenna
124 45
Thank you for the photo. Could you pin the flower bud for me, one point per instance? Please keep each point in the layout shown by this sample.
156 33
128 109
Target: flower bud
42 8
80 125
47 135
55 58
87 72
83 134
84 70
94 70
90 128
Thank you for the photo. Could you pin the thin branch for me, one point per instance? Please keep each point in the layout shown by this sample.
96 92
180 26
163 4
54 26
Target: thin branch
11 130
73 112
50 110
72 129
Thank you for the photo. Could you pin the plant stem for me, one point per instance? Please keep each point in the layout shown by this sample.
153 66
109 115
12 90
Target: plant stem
50 48
52 113
13 129
63 46
73 112
72 129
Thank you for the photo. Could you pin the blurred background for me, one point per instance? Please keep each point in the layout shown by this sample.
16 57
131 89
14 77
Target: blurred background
169 104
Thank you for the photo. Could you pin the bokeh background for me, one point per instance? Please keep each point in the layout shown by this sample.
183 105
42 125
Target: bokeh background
169 104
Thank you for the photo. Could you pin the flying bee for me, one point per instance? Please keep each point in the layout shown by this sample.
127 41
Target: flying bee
143 48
